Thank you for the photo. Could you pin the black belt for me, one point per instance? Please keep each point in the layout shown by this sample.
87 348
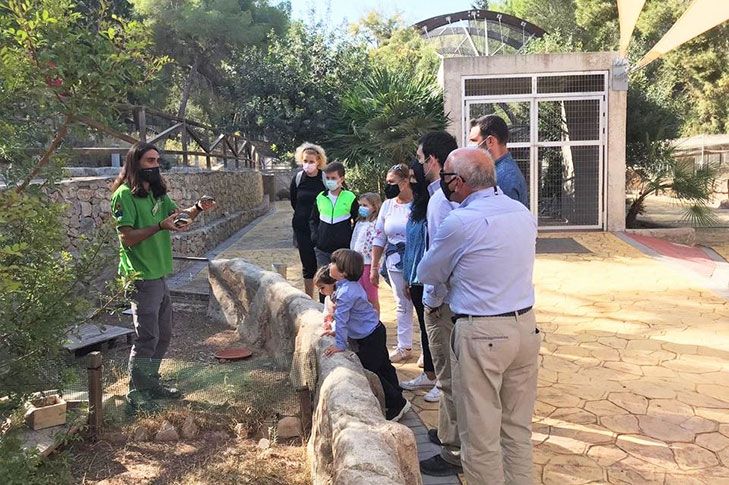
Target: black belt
507 314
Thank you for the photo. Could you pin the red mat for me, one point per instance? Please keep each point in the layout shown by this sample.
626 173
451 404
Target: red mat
691 258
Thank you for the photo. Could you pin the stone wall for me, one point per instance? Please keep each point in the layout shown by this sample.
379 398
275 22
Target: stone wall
239 195
351 442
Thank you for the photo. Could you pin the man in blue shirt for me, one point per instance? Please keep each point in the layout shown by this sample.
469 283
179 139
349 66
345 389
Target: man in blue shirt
485 249
491 134
433 150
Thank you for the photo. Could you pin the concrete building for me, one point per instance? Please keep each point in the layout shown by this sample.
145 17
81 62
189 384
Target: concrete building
567 120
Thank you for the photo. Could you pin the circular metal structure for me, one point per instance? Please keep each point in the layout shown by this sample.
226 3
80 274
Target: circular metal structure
478 33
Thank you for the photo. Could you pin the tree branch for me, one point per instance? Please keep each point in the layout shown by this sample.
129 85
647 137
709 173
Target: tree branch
47 155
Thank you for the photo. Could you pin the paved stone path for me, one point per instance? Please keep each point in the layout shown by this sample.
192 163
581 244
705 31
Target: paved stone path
634 381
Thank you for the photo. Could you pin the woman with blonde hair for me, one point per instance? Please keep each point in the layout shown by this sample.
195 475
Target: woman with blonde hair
305 186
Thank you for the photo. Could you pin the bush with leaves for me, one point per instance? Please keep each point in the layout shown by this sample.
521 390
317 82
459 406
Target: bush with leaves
652 169
58 66
285 91
380 121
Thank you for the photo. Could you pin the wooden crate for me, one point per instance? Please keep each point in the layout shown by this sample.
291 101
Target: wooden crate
46 412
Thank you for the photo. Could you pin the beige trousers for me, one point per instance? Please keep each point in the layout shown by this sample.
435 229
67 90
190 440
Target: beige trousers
439 326
494 363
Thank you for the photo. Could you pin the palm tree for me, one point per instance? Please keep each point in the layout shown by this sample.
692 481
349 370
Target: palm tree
653 169
379 122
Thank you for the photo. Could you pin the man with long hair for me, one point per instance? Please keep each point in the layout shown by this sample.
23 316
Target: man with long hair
145 216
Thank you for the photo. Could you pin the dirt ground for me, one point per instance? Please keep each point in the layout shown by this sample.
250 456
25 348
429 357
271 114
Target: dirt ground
225 449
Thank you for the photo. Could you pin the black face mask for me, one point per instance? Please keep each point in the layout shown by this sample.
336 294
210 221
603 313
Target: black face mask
446 187
150 175
392 191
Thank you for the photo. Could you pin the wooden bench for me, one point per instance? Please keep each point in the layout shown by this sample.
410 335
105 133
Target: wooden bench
87 338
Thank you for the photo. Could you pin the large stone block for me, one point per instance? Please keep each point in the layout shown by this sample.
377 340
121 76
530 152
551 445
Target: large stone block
351 442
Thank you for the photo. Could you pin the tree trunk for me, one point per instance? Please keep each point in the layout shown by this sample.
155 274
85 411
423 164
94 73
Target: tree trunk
188 88
635 208
47 155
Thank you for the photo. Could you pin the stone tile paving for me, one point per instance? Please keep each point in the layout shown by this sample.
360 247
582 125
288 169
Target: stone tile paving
633 385
426 449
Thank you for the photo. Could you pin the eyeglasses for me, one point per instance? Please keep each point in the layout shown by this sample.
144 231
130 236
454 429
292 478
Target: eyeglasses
452 174
399 167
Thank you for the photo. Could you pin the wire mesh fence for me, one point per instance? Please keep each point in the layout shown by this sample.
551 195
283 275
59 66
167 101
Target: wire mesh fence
258 388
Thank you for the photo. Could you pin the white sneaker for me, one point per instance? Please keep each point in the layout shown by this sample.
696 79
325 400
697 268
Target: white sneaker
433 395
398 355
421 361
420 381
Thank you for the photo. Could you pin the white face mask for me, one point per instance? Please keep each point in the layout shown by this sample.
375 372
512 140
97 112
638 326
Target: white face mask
332 184
310 168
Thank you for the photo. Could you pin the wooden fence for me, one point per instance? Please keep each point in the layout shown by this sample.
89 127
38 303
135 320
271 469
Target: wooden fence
196 139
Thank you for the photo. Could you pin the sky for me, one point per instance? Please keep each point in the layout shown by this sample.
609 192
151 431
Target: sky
412 10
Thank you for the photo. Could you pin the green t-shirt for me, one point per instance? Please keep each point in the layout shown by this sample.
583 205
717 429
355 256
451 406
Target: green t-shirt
152 258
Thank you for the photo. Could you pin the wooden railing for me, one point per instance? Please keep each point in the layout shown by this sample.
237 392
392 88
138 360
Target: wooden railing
196 139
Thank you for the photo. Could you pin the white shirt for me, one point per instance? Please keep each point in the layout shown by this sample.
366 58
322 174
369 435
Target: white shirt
390 228
362 239
486 248
438 209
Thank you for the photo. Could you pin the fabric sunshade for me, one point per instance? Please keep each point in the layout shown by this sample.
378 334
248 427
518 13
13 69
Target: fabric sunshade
628 12
702 15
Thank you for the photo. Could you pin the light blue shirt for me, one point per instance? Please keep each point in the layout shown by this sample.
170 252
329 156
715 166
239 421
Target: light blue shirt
438 209
510 179
355 316
486 248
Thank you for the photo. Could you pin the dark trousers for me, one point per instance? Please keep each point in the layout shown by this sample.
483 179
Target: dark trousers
416 294
306 252
153 323
323 258
373 354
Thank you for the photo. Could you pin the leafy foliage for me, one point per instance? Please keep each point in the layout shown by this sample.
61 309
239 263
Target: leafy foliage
285 92
653 170
392 44
57 68
380 122
201 37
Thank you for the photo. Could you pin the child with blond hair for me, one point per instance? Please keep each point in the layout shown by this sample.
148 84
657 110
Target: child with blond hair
362 237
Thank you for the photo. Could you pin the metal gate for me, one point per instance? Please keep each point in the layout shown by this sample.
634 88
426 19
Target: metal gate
558 128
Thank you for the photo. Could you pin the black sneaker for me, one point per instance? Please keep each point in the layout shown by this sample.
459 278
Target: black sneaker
433 436
438 467
164 392
396 415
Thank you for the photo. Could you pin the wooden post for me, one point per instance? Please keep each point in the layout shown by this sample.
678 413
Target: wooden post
185 136
237 152
305 409
142 124
225 153
96 416
208 162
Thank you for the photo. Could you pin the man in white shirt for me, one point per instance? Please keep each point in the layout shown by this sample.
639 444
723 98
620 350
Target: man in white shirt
485 249
433 150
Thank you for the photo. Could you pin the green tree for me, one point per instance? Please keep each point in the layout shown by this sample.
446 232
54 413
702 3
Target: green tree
55 71
202 36
652 169
285 91
393 44
380 121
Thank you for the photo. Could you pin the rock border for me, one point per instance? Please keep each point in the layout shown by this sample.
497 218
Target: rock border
351 442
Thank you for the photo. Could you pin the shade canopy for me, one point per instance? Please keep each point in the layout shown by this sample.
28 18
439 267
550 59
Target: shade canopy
628 12
702 15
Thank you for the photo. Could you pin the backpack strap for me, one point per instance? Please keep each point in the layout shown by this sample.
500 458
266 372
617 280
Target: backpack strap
300 175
